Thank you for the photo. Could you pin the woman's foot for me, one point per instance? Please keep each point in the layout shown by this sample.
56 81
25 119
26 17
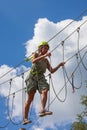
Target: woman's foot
45 112
26 121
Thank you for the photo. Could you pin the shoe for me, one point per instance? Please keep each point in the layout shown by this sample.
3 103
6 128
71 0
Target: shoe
26 121
41 114
48 113
44 113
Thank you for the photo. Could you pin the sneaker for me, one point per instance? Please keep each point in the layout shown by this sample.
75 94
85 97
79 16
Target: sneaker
44 113
26 121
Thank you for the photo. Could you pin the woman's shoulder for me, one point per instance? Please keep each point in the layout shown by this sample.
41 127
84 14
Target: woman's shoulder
35 55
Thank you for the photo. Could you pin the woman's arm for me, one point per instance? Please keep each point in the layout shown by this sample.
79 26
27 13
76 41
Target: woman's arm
40 57
52 70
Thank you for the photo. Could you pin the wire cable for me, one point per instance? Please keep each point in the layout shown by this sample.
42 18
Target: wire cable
58 94
10 115
78 31
66 83
52 50
48 41
62 43
68 25
48 74
68 36
74 72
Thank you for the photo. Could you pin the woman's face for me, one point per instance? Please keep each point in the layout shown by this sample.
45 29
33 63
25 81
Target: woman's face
44 49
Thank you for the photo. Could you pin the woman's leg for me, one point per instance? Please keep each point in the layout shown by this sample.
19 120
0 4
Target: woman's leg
43 99
28 103
43 111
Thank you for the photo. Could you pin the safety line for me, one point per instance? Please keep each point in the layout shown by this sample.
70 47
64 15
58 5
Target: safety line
48 74
48 41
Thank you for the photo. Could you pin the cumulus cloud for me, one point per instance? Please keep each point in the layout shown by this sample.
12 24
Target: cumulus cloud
11 86
45 30
63 112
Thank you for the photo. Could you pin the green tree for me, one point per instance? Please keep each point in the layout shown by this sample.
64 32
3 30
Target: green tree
81 124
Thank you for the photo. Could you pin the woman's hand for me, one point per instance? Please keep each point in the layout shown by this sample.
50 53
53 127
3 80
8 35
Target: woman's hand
47 54
62 63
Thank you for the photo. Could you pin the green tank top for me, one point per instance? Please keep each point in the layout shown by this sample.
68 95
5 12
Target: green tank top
39 68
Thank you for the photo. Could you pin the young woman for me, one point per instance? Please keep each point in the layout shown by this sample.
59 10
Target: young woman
36 79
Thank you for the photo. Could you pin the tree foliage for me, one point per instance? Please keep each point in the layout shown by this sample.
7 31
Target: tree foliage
81 123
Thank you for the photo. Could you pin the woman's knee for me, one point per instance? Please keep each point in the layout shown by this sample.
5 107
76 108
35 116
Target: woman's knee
31 95
44 91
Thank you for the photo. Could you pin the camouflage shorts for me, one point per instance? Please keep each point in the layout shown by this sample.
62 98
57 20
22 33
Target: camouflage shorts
34 82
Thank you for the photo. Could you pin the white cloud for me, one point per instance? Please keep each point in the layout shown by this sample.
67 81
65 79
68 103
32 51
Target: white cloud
45 30
12 88
37 128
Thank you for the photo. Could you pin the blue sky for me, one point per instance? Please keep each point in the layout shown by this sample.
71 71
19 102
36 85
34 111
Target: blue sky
18 19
